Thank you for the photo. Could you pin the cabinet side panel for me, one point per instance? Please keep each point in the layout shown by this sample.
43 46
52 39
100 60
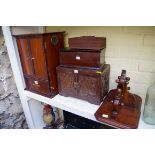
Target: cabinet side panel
52 57
25 57
105 81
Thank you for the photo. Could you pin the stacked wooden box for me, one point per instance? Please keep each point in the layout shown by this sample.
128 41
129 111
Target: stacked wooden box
82 72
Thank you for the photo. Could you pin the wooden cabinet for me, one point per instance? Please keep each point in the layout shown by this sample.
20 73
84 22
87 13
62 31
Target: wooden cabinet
83 83
39 56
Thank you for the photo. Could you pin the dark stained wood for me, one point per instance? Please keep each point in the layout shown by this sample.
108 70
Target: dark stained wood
39 55
52 56
81 58
87 84
87 42
120 108
40 87
66 81
127 117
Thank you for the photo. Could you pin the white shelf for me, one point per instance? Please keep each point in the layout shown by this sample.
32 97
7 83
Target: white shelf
73 105
76 106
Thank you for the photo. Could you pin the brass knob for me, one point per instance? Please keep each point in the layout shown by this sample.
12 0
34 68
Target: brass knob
76 85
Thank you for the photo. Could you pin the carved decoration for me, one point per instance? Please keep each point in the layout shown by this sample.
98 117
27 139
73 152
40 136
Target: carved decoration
86 84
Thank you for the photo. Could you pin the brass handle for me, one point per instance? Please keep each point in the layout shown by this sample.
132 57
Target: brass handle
76 85
32 58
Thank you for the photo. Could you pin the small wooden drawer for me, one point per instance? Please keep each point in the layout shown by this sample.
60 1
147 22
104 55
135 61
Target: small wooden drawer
41 87
81 58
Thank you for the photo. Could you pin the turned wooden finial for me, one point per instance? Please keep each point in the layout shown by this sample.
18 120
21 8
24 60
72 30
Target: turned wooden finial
121 97
123 81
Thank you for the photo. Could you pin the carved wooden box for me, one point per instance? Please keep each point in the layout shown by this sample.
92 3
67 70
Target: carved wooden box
39 56
82 57
87 84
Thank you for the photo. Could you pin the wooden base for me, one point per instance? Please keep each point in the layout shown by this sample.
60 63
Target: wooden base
49 95
127 117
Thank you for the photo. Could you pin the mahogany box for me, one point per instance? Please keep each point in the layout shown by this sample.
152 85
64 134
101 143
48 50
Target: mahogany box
87 42
82 57
84 83
39 57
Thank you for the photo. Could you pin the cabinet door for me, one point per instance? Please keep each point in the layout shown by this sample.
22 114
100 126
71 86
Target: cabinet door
38 57
25 56
89 88
66 82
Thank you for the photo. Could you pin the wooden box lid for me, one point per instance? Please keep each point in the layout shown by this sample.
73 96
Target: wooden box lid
87 42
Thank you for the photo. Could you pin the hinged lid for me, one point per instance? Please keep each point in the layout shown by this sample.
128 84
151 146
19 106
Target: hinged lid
87 42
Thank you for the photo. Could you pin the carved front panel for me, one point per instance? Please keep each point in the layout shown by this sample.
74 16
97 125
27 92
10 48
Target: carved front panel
66 81
82 83
89 88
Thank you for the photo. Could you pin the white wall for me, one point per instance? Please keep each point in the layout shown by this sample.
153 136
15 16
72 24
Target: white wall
26 29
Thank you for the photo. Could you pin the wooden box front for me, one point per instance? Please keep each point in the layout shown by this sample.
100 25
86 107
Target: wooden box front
82 83
81 59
